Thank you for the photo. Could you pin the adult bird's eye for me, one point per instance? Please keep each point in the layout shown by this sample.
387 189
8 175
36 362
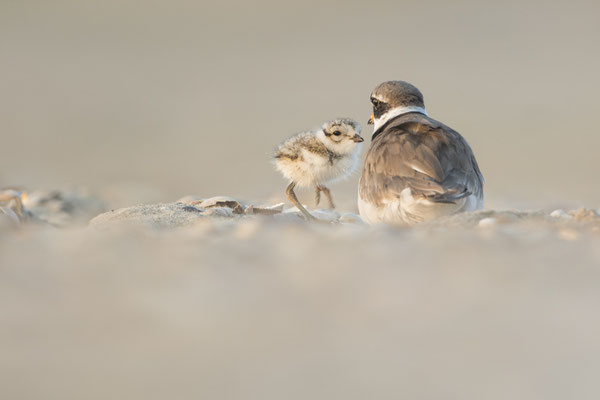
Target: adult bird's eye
374 101
337 133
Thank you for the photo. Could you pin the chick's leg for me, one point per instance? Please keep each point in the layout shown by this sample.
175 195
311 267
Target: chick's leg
328 195
289 191
317 195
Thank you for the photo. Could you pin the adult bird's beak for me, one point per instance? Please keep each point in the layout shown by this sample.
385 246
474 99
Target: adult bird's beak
357 138
371 120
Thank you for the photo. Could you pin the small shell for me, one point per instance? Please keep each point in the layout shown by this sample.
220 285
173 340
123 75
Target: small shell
266 210
12 205
223 201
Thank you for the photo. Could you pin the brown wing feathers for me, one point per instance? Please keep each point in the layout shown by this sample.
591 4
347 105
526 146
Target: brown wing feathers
419 156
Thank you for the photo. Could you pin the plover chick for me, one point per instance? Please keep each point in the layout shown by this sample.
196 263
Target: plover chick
319 157
417 169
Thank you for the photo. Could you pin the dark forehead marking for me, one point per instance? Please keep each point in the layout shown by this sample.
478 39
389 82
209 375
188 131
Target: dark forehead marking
343 121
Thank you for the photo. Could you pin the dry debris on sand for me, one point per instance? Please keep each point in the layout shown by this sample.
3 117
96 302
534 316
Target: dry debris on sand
67 208
59 208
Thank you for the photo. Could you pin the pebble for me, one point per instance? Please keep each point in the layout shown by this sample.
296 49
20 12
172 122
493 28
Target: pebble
487 222
560 214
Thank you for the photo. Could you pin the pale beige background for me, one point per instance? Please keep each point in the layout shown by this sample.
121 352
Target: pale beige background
153 100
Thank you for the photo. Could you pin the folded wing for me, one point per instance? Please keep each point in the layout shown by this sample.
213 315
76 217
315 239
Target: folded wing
434 162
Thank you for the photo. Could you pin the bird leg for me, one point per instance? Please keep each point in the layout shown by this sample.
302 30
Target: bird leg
289 191
317 195
327 194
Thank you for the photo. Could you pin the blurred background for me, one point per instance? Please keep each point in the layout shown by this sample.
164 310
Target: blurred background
149 101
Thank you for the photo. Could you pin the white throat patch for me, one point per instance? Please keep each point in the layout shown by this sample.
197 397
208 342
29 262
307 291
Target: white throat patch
379 122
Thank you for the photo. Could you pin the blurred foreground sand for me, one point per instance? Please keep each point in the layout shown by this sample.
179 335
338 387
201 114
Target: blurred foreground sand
260 308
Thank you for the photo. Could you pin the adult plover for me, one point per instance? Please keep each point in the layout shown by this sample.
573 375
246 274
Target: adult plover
318 157
417 169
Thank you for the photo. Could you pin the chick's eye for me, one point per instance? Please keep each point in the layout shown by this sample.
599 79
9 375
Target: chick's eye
337 133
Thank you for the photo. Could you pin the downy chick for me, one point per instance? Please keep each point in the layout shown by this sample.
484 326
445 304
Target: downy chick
319 157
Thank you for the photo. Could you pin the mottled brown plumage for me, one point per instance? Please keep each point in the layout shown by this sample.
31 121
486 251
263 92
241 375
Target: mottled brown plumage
317 157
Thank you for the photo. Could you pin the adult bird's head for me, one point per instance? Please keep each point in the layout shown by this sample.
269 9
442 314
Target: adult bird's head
393 98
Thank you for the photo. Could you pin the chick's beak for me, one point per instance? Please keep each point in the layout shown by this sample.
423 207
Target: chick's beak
357 138
371 120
